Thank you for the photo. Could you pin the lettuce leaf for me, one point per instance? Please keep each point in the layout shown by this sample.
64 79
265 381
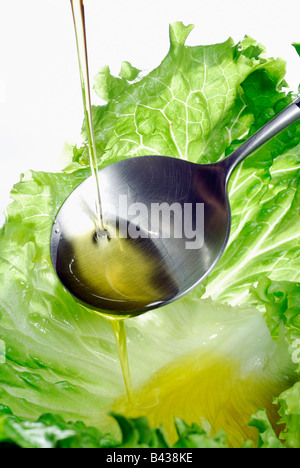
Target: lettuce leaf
267 437
199 104
290 416
282 307
51 431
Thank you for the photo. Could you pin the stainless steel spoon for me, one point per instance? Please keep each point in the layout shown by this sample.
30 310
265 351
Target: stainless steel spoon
148 260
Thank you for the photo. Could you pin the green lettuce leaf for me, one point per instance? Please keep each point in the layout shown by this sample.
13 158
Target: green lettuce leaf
297 47
267 437
282 307
51 431
199 104
192 106
290 415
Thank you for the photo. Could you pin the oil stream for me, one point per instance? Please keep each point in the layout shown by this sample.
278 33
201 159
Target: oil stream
81 42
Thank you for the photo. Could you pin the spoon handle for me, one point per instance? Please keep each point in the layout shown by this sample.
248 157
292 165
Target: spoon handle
285 118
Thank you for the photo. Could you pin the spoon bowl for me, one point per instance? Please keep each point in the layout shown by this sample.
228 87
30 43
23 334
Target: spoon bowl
166 219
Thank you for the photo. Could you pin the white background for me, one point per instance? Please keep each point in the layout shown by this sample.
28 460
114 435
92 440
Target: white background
40 97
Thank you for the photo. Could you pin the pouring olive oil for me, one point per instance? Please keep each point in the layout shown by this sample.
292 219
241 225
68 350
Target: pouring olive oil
100 233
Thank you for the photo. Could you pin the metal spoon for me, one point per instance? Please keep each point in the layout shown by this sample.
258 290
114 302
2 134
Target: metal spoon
164 263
